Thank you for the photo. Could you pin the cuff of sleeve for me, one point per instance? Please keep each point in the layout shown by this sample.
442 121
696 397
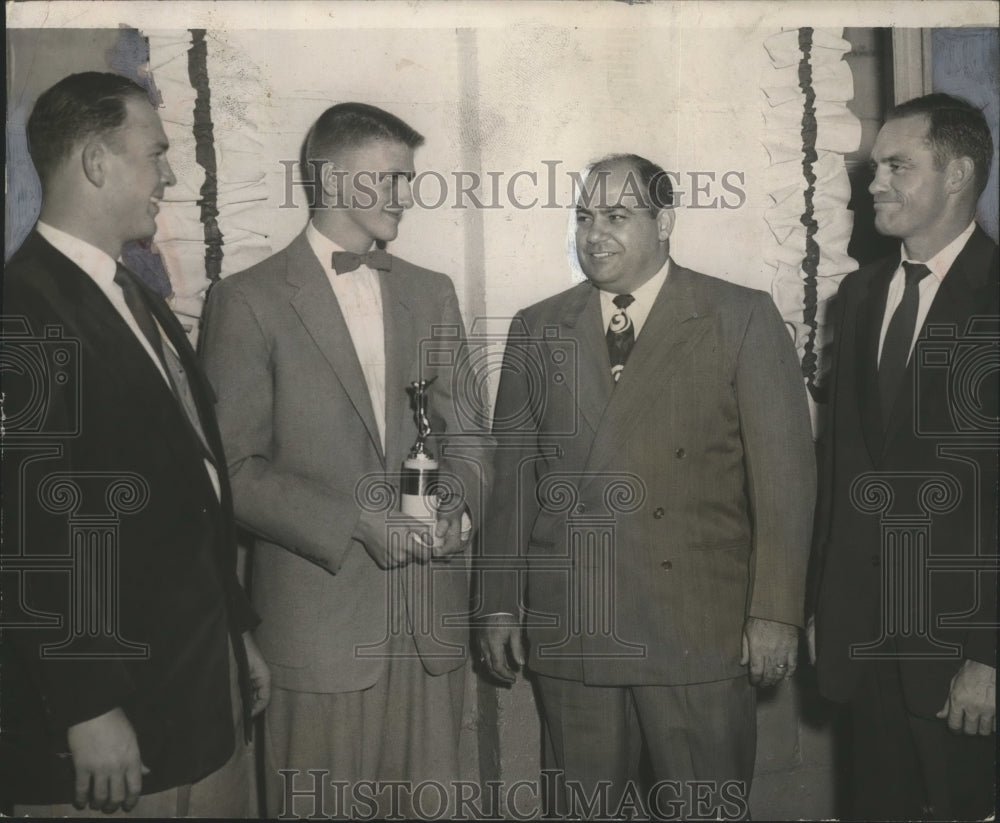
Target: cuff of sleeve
79 690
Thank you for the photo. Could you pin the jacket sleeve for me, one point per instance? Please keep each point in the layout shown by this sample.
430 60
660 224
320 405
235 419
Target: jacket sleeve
824 492
298 513
779 455
93 681
466 445
512 506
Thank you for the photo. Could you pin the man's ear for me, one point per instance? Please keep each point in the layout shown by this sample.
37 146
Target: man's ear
332 180
961 174
94 159
665 223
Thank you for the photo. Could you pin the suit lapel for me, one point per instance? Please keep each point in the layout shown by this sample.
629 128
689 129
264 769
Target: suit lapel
88 309
398 321
581 317
953 305
674 325
870 313
204 397
319 311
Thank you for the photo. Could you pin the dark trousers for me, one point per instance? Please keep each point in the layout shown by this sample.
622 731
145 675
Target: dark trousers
701 741
911 768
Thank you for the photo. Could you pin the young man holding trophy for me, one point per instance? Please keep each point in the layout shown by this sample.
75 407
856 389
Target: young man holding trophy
319 356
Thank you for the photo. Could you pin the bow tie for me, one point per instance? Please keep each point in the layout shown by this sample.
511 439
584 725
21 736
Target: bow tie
347 261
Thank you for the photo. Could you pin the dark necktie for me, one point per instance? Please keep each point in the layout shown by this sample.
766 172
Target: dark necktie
140 311
899 338
347 261
172 365
621 335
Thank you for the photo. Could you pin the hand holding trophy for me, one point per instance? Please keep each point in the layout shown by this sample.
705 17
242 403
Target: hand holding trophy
420 484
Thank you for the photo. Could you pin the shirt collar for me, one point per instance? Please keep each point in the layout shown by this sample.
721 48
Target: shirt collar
323 247
96 263
645 295
941 262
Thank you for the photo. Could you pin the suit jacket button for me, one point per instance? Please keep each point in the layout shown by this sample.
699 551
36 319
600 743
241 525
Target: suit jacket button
666 565
681 454
875 560
658 513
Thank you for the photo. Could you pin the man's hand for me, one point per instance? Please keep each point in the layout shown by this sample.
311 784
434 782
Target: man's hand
501 648
449 537
771 648
971 703
106 759
260 676
416 545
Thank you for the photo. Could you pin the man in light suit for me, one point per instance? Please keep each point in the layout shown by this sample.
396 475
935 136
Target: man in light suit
311 353
125 628
906 549
655 480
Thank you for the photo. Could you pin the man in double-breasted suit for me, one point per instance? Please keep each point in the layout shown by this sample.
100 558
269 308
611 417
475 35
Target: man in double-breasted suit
654 482
122 612
311 353
905 558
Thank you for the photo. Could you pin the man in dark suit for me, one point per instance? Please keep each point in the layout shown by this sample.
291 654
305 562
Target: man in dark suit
905 559
124 622
311 353
650 423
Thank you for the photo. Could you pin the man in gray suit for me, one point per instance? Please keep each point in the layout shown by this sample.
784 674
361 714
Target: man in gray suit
311 353
655 480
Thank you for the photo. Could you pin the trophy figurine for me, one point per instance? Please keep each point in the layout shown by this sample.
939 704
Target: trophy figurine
420 469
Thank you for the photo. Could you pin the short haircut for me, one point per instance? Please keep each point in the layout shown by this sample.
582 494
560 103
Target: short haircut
349 125
957 129
651 178
81 106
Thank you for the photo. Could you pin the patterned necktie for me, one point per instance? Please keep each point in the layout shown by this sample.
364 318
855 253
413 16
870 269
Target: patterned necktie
621 335
899 338
347 261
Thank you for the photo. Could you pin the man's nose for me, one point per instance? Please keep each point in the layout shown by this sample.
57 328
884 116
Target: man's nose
404 193
595 231
167 174
880 182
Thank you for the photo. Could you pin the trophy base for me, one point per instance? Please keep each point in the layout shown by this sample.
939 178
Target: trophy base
418 480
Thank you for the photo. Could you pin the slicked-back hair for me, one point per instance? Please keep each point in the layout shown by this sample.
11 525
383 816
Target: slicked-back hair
78 107
349 125
956 129
652 179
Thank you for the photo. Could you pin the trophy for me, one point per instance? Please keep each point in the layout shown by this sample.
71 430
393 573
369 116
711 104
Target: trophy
420 470
419 487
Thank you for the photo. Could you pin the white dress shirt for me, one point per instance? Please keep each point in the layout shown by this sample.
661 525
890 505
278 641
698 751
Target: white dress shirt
927 288
99 266
360 297
644 296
